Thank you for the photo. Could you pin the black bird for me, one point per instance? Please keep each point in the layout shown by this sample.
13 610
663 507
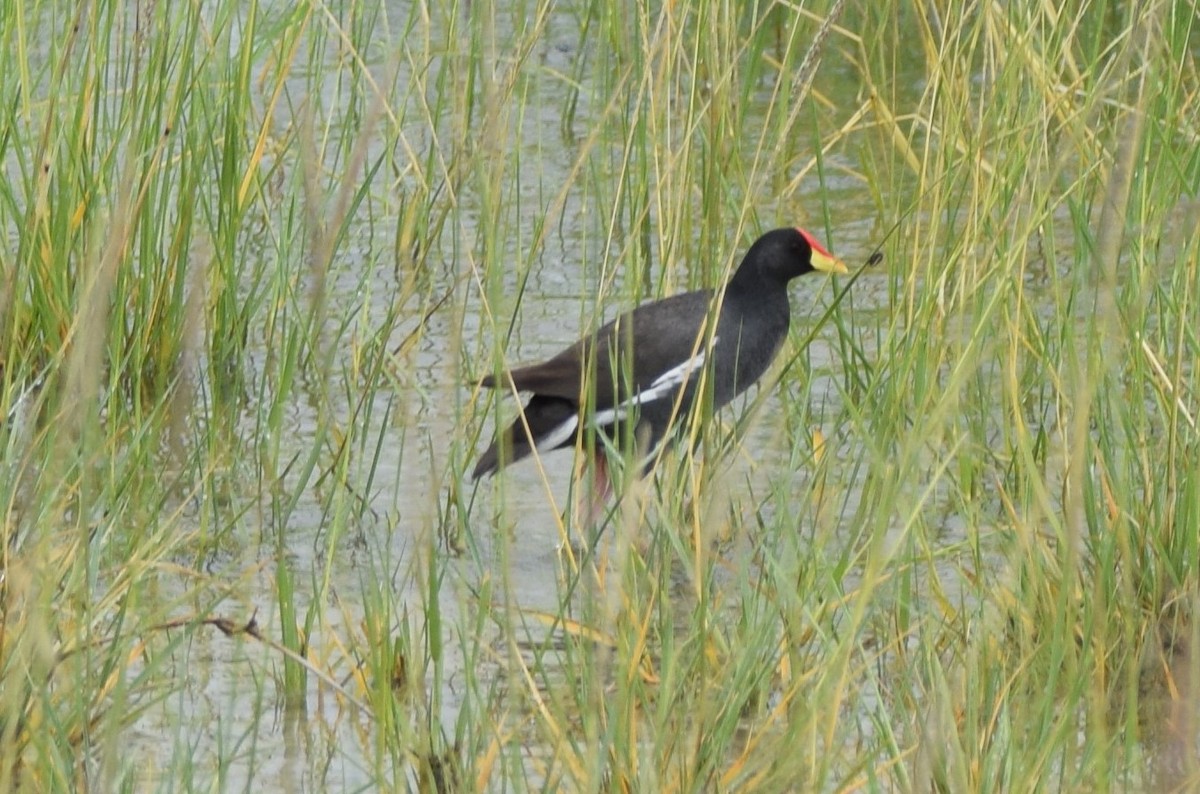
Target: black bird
646 367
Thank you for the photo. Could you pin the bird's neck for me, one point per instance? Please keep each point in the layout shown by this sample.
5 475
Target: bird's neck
754 294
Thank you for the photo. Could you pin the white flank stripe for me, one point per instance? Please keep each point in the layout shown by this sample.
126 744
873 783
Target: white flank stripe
661 386
608 417
557 435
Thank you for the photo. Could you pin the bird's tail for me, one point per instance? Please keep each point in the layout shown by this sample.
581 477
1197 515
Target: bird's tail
544 420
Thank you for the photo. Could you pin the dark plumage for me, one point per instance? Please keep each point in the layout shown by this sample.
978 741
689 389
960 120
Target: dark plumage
646 365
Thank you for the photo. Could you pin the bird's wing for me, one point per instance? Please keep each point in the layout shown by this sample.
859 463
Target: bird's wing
648 352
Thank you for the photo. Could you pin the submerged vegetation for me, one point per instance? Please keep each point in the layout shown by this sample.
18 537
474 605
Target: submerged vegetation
253 256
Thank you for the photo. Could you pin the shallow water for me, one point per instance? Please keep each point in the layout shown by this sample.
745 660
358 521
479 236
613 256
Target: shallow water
327 744
230 695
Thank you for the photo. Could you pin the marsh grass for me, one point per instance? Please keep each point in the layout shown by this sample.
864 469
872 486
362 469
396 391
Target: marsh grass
254 258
